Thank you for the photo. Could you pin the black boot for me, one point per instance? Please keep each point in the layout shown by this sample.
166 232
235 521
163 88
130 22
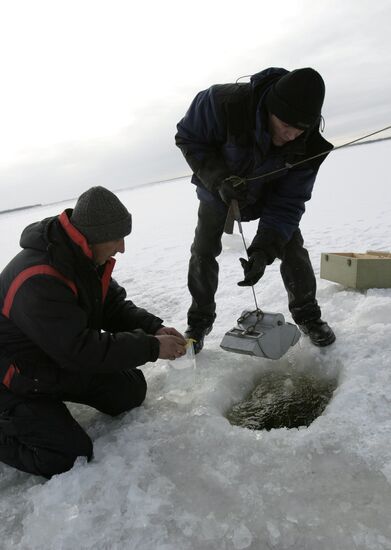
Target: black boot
319 332
197 334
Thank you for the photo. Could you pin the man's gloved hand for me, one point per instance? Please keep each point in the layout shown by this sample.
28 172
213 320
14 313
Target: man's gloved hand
253 268
231 188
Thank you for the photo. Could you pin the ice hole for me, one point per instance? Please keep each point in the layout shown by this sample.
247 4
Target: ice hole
283 400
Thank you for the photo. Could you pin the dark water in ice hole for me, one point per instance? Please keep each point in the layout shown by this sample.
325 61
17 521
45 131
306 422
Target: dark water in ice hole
281 400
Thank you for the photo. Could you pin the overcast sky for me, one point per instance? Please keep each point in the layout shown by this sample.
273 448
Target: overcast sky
92 89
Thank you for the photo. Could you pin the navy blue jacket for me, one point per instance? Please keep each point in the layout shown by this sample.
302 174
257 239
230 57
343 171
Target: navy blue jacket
60 313
225 133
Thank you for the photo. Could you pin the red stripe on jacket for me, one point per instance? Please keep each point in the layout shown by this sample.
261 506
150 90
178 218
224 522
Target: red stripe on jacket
74 234
26 274
79 239
9 375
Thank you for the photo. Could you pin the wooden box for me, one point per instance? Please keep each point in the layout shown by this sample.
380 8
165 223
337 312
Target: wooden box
371 269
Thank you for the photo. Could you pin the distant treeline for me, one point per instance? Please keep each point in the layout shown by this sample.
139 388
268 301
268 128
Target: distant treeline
163 181
19 208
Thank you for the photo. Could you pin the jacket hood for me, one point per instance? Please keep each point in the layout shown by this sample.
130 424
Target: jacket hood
58 238
54 230
36 235
267 76
260 84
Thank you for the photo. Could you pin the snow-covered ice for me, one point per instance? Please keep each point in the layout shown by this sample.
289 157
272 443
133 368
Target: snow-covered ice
174 474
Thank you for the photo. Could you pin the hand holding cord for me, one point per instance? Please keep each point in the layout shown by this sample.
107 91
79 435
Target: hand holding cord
233 188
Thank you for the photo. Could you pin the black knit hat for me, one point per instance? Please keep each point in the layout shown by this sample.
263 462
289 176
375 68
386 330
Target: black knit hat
297 98
100 216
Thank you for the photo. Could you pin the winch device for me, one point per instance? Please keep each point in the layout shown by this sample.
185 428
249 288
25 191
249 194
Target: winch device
258 332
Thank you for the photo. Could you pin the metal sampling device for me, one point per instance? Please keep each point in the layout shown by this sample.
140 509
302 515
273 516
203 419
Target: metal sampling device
258 333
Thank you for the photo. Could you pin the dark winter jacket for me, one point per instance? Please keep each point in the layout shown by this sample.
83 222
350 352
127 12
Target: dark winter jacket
225 133
60 311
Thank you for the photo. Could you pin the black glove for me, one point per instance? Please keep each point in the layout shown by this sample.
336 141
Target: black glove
233 187
253 268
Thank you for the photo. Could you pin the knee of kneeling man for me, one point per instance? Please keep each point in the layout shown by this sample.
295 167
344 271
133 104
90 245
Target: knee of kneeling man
138 386
141 391
49 463
131 396
127 405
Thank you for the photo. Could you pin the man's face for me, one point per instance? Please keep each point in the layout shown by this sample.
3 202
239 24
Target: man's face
101 252
281 132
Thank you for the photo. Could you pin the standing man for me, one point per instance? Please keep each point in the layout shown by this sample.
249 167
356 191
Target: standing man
231 135
67 333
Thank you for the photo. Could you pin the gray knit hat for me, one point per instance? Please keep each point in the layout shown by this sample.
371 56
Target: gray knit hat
100 216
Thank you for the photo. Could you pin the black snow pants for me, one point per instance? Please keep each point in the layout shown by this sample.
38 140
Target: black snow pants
39 435
296 271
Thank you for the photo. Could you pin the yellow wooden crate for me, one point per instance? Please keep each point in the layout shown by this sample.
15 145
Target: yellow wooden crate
371 269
